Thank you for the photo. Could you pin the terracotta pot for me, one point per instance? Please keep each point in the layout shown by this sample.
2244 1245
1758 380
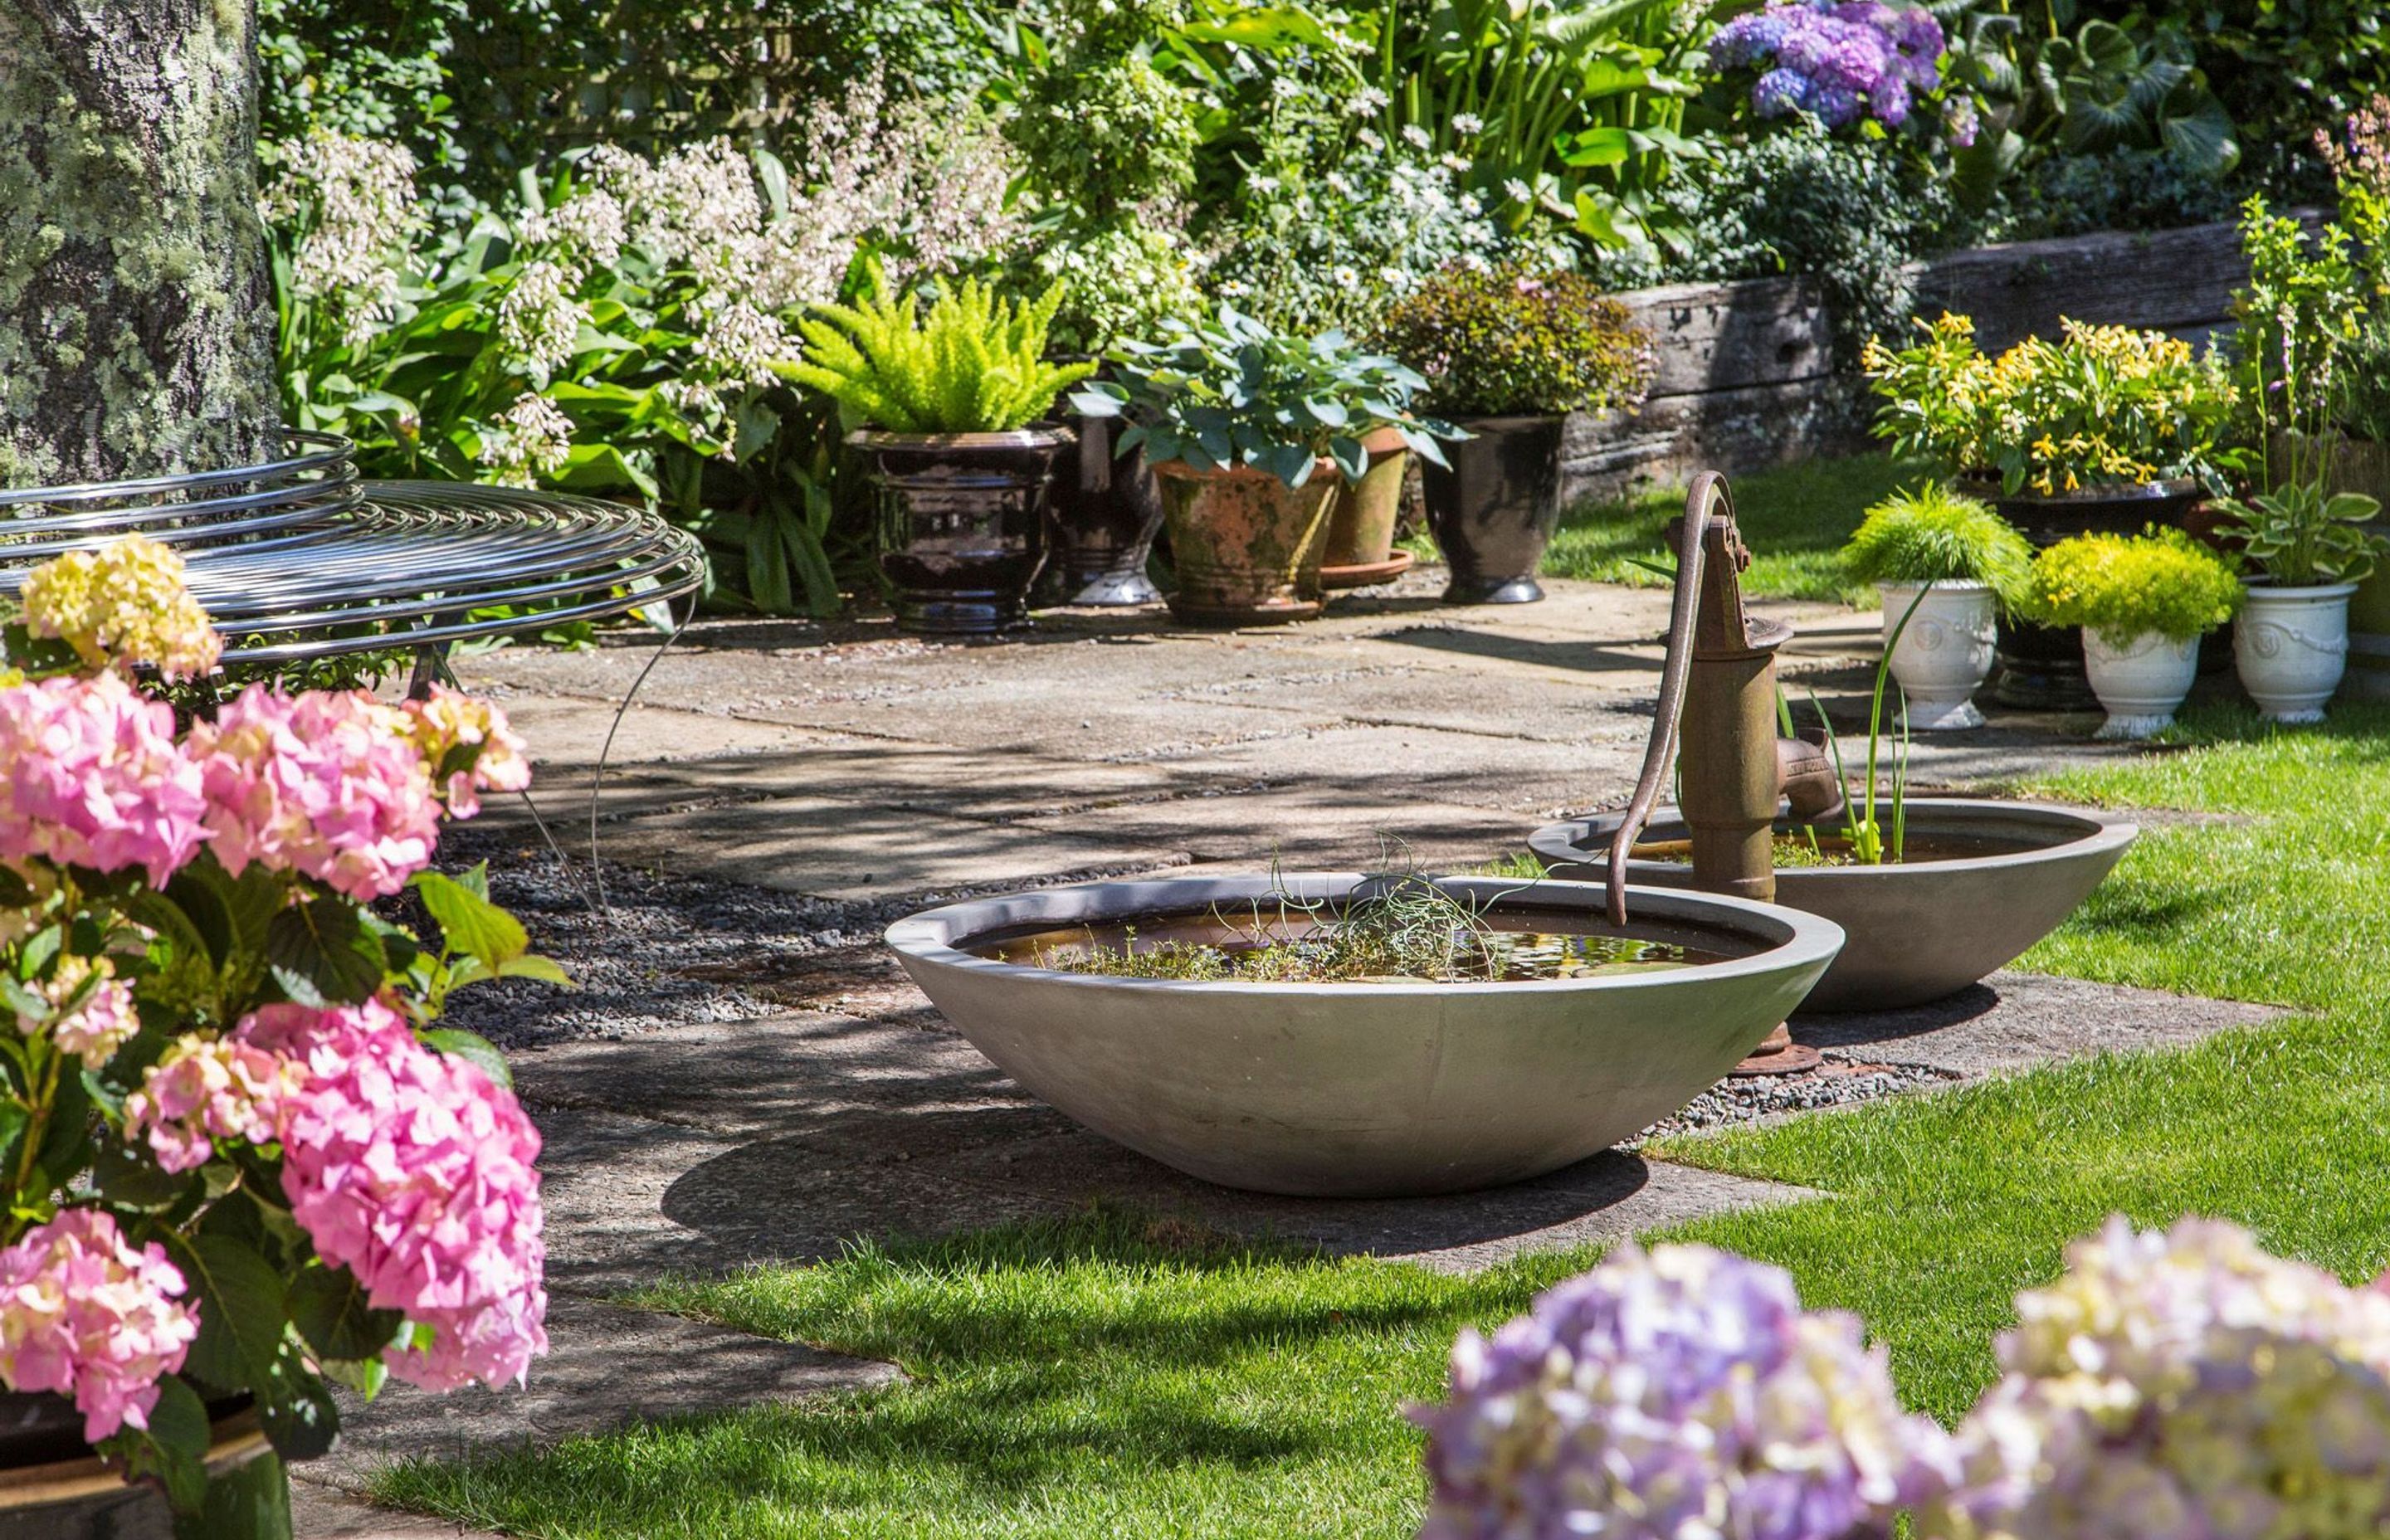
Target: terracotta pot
1361 529
962 524
2040 667
1494 511
1247 546
1107 510
54 1490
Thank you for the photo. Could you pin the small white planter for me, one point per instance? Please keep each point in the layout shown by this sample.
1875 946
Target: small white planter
1946 653
2291 646
2140 681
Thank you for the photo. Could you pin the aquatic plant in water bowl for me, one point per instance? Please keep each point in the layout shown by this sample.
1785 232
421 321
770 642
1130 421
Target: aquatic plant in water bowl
244 1162
2173 1383
2142 603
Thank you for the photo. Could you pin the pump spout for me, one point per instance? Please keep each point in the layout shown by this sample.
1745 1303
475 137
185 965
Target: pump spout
1717 694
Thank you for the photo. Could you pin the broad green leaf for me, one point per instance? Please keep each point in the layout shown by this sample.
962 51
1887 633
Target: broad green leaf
329 1308
470 922
473 1048
322 946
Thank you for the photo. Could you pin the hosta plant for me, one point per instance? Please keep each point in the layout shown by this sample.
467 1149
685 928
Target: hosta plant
2101 406
243 1158
2163 582
975 364
1236 392
1515 342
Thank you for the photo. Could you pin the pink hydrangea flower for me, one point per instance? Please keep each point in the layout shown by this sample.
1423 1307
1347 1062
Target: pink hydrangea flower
83 1315
329 784
205 1089
414 1170
447 722
90 777
95 1025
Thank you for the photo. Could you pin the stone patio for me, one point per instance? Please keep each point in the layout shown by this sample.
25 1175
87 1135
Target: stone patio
749 1076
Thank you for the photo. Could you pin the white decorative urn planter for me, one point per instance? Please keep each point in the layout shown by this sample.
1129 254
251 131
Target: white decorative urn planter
2291 646
1944 653
2139 680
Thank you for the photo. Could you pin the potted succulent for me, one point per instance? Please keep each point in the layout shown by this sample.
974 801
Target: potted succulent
1508 353
246 1162
2105 429
1252 434
2142 602
942 406
1943 563
2307 543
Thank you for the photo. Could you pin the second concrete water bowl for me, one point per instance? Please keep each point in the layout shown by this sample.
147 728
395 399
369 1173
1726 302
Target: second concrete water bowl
1374 1089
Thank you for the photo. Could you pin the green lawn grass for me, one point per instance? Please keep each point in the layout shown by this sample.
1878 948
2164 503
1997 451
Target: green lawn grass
1116 1376
1794 520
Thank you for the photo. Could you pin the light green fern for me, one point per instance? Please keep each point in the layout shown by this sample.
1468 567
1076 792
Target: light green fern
974 365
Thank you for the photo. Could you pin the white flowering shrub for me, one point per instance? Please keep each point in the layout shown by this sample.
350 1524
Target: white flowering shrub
618 333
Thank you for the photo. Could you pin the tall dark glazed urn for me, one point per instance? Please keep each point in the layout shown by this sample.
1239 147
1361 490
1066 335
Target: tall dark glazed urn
1494 512
2039 667
1107 510
962 524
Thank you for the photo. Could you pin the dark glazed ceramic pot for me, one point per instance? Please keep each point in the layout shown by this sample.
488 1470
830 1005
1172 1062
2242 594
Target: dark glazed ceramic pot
2039 668
962 524
1495 511
1247 546
1107 510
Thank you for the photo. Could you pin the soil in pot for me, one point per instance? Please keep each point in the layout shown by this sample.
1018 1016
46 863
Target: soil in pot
1824 848
1246 548
1494 511
1361 528
1106 511
962 524
2039 667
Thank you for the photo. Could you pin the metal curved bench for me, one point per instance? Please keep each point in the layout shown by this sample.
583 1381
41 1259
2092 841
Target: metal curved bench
300 558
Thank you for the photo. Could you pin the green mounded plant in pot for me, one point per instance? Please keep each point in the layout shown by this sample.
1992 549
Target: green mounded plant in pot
1508 353
2142 603
943 406
1252 433
1943 563
2101 430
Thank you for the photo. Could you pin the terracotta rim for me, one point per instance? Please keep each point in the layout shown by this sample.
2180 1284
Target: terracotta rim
1362 574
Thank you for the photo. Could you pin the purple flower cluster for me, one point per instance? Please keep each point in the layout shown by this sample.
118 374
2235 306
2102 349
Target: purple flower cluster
1838 61
1676 1392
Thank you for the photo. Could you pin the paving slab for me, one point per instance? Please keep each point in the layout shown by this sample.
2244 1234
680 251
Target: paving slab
321 1512
2015 1021
1364 766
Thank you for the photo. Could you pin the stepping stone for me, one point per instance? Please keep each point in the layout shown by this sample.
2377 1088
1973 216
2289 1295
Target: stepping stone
2014 1021
319 1513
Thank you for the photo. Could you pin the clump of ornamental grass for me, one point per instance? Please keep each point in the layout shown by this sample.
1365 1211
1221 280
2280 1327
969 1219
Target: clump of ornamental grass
1936 535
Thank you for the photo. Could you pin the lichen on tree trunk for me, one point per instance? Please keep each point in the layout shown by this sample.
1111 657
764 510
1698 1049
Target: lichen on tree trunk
137 317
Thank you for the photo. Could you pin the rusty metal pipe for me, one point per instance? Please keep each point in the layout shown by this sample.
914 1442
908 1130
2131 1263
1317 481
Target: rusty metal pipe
1717 695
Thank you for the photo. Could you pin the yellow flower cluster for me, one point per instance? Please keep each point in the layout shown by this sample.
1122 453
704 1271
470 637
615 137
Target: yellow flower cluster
2099 406
120 605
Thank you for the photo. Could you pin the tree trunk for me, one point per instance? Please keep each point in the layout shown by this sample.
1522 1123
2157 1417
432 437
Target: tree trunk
137 317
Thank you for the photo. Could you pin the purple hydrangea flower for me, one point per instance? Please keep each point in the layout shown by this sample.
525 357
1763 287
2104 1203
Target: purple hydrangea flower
1676 1392
1837 60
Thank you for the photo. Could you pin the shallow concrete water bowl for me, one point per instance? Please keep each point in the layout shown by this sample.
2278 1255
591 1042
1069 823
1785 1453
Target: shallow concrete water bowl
2008 874
1367 1089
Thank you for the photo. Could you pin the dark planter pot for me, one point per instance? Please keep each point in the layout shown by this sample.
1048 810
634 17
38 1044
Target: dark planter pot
1107 510
962 524
1247 546
1361 529
1494 511
2039 668
53 1487
1917 931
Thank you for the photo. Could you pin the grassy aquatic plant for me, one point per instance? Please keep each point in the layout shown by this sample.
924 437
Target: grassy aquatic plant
1934 534
2122 586
974 365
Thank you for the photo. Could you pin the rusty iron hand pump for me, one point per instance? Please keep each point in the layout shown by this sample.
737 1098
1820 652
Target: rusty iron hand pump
1717 694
